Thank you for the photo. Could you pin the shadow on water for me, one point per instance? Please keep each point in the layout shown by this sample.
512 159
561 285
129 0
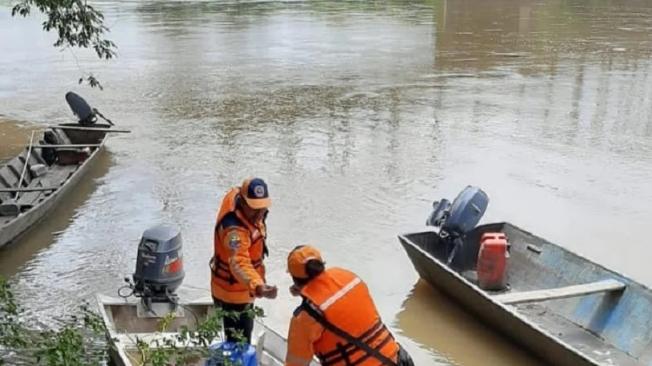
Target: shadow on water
44 233
436 322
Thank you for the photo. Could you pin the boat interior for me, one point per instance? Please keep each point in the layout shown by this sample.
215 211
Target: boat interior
595 310
126 322
44 166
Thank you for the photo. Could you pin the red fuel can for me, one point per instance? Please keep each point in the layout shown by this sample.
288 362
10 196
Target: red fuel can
492 261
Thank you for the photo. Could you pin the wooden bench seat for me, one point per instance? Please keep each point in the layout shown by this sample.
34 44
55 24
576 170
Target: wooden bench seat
513 298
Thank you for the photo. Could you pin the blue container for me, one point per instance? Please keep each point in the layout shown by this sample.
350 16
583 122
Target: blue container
240 355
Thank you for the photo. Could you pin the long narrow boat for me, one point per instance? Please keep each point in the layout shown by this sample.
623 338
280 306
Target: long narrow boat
560 306
125 325
35 181
31 185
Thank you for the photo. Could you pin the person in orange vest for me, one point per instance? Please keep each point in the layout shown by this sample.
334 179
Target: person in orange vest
238 273
337 320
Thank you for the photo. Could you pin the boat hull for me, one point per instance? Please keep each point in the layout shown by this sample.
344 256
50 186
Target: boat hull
572 331
12 228
123 325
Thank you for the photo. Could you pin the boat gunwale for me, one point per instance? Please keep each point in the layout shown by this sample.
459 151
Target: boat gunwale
503 307
630 281
104 301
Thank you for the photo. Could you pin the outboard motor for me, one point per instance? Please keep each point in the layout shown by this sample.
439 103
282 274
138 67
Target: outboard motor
159 269
457 219
81 109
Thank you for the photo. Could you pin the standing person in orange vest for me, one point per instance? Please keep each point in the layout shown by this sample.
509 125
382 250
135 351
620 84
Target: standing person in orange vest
337 320
238 273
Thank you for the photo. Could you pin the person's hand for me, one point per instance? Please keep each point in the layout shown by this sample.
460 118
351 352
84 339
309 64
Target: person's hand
295 290
266 291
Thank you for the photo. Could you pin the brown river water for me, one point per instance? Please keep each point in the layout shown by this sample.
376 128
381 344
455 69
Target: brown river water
358 115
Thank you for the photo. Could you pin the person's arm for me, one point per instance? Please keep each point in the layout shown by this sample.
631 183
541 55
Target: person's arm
236 238
304 332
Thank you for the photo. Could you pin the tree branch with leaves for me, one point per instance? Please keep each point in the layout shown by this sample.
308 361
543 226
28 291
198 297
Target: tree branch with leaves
75 343
80 340
77 24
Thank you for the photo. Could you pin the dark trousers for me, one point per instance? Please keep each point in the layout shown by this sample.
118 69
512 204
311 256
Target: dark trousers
240 322
404 358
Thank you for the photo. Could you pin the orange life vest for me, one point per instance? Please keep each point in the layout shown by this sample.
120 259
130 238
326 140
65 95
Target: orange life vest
224 284
343 300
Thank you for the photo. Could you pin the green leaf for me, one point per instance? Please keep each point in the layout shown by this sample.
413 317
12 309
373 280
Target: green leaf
77 25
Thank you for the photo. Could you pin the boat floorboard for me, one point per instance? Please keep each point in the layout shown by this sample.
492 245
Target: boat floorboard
576 336
30 199
560 292
55 177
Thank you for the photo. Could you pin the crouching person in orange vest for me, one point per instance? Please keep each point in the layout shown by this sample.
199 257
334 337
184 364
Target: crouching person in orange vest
238 273
337 320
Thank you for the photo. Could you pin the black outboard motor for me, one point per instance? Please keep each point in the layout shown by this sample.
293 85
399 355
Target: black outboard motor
81 109
159 267
457 219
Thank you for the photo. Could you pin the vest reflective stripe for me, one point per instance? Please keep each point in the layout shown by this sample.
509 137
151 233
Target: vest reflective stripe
341 302
338 295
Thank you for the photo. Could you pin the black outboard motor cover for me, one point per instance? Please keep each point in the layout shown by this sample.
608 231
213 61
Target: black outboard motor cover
159 265
457 219
81 109
466 211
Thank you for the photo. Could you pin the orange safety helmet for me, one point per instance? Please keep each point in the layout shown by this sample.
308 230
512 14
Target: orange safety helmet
298 258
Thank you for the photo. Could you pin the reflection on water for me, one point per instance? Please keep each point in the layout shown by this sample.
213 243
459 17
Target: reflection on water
435 321
358 115
537 36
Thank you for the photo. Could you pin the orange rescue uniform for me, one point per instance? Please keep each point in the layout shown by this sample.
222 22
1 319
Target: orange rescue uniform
239 247
343 300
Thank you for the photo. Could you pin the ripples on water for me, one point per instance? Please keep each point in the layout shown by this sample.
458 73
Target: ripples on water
358 115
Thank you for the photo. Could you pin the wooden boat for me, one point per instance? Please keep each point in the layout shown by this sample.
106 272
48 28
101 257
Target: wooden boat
35 181
125 323
562 307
